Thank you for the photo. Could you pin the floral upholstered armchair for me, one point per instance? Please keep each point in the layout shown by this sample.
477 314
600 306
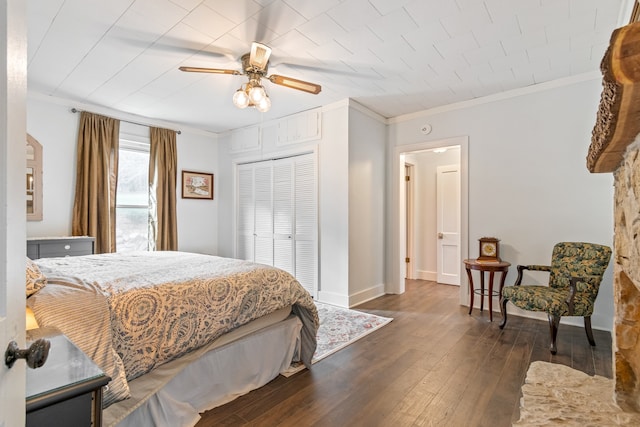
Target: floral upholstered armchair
575 274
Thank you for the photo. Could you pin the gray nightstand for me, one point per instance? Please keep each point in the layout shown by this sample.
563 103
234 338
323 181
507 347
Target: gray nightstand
67 389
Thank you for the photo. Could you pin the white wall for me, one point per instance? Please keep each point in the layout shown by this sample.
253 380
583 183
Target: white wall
198 219
367 195
56 128
225 188
528 183
333 204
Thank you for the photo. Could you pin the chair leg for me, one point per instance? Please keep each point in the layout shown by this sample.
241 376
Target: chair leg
554 322
503 307
587 327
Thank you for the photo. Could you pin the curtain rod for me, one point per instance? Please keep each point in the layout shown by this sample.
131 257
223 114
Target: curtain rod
75 110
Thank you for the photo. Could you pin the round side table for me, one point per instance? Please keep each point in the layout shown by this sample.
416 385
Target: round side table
483 267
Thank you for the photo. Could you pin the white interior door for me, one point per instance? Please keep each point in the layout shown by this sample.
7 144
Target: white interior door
448 224
13 133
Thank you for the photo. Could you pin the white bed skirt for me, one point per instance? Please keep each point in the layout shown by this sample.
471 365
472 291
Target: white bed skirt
213 379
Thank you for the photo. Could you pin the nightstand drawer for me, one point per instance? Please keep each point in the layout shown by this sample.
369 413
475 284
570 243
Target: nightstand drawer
66 248
59 247
75 411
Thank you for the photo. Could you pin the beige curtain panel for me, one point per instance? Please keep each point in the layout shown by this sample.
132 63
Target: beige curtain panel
163 163
94 207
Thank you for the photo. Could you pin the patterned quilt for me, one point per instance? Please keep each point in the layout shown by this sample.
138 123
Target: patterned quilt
135 311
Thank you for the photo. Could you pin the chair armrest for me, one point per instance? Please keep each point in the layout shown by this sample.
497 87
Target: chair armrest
573 288
532 267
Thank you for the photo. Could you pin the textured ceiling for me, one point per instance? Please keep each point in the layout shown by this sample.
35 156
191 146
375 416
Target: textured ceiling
393 56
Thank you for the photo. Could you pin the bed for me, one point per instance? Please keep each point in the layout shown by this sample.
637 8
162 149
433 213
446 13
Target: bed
178 333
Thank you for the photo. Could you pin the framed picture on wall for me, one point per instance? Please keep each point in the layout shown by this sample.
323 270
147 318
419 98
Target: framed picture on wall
197 185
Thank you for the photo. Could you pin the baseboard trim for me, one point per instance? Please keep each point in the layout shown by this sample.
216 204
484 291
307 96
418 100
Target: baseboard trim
427 275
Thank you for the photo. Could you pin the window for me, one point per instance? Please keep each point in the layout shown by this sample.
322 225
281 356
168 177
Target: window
132 199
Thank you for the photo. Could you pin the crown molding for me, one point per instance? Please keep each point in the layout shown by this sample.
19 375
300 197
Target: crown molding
514 93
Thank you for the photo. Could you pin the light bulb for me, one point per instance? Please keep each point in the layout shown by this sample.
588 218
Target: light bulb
257 94
240 98
264 105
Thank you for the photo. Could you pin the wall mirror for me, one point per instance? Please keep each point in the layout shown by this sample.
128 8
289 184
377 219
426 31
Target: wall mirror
34 179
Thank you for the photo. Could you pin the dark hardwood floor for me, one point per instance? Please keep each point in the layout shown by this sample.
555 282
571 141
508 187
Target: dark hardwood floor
434 365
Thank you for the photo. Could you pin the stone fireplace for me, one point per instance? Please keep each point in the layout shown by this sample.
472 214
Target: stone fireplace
615 147
556 394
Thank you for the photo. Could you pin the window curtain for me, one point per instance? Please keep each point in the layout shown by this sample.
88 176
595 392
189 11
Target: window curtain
94 206
163 160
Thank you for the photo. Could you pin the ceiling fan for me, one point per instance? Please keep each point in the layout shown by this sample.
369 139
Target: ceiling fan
255 65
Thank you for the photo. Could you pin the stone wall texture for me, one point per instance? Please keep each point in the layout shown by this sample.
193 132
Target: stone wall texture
627 280
557 395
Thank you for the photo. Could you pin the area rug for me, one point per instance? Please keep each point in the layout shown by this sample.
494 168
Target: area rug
339 327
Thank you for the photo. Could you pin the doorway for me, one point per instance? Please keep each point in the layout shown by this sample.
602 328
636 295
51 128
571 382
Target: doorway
410 215
404 154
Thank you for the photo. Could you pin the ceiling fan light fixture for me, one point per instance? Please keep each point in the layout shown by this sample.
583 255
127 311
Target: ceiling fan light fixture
257 93
264 105
240 98
255 66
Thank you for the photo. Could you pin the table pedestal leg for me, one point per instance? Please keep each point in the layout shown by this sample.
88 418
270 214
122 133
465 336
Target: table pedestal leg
470 289
491 274
481 290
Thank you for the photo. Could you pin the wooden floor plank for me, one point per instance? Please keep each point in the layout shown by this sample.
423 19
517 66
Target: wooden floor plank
505 396
484 381
433 365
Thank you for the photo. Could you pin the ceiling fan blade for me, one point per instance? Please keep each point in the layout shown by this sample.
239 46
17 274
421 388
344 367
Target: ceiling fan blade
210 70
259 56
295 84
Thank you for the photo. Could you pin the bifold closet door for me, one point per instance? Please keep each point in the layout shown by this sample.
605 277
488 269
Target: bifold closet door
263 202
283 214
254 230
245 213
306 223
277 218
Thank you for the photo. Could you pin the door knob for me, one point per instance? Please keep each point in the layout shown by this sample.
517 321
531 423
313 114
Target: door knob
35 355
440 236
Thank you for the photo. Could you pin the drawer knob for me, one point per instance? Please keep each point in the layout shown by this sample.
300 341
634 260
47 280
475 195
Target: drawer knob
67 247
35 355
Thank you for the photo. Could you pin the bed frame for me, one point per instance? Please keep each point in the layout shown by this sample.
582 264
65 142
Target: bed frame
175 393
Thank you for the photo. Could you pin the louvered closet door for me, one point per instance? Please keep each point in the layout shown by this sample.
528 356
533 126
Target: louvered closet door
277 216
283 215
263 199
246 209
306 223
